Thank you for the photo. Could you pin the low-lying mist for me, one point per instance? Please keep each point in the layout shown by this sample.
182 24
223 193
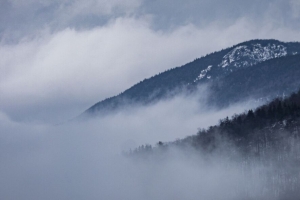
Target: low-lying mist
84 160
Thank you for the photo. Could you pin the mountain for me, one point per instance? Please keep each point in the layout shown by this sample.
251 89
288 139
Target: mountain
231 74
269 79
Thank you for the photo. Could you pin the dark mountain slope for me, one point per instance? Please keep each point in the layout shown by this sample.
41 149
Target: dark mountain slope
272 78
208 69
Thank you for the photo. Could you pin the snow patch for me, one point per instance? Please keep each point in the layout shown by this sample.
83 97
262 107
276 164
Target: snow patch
204 73
243 56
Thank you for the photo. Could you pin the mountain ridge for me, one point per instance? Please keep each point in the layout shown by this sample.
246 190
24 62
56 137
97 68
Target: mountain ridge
207 69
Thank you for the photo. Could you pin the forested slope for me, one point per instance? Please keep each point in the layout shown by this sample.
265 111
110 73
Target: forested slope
267 138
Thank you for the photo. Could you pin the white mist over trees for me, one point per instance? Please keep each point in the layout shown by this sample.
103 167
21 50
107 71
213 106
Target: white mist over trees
83 160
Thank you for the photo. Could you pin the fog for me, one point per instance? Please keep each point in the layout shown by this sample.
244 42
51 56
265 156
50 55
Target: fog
57 58
84 160
55 76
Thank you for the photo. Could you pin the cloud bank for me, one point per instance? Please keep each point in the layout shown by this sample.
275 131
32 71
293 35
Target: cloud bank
83 160
56 76
57 58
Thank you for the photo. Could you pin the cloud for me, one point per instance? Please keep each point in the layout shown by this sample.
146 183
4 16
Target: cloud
83 160
27 18
19 19
58 75
78 7
295 5
60 57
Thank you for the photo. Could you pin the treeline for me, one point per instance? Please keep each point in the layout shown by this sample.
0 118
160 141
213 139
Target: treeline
268 136
268 124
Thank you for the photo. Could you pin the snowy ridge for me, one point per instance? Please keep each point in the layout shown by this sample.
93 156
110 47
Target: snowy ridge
243 56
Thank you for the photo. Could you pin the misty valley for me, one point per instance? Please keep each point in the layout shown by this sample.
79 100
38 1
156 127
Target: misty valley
143 143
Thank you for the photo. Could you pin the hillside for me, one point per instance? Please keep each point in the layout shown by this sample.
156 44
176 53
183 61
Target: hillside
218 69
273 78
267 137
264 126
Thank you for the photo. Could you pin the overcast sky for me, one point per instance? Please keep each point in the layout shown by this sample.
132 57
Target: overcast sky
58 57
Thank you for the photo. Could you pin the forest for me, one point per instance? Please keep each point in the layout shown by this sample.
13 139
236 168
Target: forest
267 136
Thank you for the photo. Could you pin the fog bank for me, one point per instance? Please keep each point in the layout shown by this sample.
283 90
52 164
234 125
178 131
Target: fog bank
83 160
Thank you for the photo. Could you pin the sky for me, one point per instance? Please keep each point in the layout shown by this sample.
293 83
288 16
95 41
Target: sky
59 57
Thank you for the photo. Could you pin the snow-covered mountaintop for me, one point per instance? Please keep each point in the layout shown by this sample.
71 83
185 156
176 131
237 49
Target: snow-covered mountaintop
243 56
